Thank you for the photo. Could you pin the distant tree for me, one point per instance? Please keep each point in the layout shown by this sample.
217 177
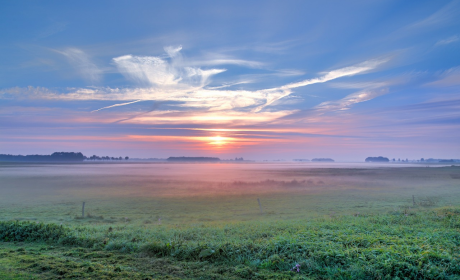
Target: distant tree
422 159
193 159
394 159
377 159
57 156
322 160
126 158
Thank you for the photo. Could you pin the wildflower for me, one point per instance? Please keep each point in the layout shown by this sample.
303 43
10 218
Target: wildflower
296 268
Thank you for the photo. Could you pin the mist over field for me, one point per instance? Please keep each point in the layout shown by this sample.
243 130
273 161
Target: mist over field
195 192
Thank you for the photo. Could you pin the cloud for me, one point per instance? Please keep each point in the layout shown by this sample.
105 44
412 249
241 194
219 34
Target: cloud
171 79
359 85
447 41
208 117
346 102
449 78
228 61
54 28
442 16
203 75
161 73
226 85
166 85
80 60
283 91
173 51
338 73
215 59
147 70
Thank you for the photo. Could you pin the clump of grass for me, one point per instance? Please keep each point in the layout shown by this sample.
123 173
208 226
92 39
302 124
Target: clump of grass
428 201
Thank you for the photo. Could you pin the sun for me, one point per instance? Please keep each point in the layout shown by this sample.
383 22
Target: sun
218 140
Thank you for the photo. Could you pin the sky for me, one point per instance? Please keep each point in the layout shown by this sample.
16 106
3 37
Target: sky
262 80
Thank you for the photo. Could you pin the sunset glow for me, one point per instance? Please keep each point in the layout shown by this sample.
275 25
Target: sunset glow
218 141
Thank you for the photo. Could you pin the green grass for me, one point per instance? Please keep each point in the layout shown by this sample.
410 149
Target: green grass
417 245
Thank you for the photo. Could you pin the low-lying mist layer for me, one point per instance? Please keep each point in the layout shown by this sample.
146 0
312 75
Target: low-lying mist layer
189 193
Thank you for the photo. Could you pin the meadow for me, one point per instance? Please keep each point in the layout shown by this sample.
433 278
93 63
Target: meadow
203 221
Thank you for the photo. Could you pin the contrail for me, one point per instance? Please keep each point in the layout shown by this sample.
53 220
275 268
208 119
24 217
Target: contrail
116 105
154 107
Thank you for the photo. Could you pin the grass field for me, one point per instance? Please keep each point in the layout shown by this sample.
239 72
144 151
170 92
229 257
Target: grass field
179 221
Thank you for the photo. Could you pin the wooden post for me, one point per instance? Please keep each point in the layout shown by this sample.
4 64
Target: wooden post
83 210
260 206
413 199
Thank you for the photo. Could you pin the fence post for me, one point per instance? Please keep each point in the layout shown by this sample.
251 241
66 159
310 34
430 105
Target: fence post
260 206
83 210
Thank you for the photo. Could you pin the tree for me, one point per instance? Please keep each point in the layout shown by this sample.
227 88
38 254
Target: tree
126 158
377 159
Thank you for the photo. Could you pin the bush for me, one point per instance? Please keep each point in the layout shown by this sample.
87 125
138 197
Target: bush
29 231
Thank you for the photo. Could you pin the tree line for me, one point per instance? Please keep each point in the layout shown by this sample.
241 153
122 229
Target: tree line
56 157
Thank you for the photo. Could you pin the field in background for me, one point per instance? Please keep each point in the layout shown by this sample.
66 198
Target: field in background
203 221
154 193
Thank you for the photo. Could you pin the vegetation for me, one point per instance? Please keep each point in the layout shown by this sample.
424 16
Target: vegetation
194 159
377 159
322 160
55 157
58 156
421 244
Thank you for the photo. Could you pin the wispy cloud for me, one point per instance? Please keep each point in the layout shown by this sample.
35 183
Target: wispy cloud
338 73
359 85
52 29
80 60
226 85
170 83
346 102
448 78
447 41
283 91
214 59
159 72
228 61
441 16
148 70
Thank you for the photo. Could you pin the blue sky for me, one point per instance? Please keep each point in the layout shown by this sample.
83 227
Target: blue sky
263 80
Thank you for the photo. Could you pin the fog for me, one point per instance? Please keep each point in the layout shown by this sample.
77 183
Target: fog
182 193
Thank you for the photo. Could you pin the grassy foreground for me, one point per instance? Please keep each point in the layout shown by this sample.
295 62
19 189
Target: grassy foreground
397 245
